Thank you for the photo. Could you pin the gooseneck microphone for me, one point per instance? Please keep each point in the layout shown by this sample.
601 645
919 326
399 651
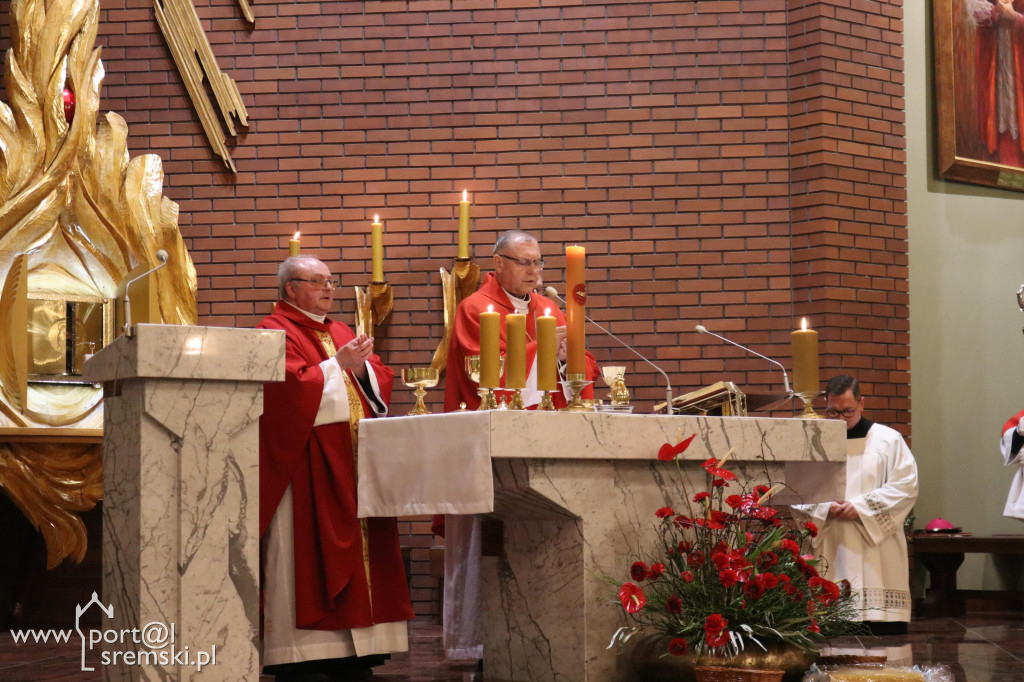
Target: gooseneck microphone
785 379
129 331
550 291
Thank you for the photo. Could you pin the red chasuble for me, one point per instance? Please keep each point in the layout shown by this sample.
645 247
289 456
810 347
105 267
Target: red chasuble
465 341
333 558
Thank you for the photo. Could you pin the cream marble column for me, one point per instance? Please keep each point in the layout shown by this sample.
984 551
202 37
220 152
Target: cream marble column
577 495
181 498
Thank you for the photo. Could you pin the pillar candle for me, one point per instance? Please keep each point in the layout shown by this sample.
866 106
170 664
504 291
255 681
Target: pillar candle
515 350
575 309
490 350
547 352
377 250
805 359
293 245
464 225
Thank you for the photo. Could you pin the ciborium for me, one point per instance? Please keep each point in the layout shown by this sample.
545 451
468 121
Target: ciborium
420 378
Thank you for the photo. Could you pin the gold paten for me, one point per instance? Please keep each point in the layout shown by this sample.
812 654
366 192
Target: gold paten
76 215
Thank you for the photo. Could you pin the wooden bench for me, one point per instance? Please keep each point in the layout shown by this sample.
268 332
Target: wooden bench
943 554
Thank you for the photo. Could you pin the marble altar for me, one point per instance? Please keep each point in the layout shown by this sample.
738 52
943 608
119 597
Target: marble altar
181 497
577 495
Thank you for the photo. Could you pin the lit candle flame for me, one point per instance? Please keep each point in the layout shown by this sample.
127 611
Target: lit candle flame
490 308
465 195
296 237
547 312
376 218
803 323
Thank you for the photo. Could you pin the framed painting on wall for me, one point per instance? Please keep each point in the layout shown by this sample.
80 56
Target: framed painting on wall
979 90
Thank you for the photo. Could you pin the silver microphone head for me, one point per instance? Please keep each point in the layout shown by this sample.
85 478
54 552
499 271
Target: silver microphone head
701 328
161 256
550 291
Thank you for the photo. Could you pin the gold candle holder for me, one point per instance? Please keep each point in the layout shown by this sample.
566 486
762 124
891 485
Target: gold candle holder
516 401
455 286
546 403
576 383
420 378
808 400
488 399
373 304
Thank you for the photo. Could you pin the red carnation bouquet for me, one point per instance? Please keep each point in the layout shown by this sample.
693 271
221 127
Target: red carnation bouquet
730 573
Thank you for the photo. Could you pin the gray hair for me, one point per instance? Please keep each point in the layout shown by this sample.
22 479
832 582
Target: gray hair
287 270
509 236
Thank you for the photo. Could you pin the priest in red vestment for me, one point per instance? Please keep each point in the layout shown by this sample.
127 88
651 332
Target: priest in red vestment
335 597
509 289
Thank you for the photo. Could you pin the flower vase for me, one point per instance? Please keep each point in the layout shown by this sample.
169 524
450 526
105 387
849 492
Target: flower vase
645 658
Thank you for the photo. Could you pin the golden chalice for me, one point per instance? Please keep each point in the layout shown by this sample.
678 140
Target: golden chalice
614 376
420 378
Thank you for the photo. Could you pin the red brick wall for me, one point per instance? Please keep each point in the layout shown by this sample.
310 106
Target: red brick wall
737 164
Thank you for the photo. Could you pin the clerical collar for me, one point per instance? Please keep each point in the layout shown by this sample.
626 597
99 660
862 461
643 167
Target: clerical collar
520 304
860 429
312 316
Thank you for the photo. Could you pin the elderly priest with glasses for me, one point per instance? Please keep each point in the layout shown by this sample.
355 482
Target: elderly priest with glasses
509 289
335 597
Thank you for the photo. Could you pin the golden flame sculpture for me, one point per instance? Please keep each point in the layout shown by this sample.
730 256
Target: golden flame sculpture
76 215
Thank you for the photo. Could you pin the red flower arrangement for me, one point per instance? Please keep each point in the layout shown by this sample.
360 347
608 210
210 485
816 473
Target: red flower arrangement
730 572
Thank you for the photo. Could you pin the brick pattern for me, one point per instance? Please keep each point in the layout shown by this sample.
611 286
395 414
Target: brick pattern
737 164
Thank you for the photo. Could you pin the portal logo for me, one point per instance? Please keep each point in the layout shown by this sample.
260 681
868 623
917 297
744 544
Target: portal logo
153 644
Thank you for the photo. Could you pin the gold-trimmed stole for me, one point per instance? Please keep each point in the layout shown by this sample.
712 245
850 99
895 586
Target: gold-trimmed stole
355 413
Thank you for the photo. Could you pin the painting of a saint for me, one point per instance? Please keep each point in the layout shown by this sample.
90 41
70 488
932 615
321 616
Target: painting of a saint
980 90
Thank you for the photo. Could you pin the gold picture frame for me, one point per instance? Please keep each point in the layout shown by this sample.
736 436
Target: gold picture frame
980 132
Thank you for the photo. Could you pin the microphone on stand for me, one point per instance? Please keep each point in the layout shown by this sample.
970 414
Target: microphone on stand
785 379
128 330
550 291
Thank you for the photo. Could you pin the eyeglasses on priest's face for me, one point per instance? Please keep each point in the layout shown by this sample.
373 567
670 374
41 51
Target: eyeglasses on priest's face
525 262
319 282
845 414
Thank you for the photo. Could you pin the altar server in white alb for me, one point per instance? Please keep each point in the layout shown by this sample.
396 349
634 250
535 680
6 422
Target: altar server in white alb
861 538
1011 445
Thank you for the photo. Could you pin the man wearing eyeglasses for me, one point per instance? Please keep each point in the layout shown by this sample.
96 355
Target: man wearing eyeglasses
509 289
861 538
335 597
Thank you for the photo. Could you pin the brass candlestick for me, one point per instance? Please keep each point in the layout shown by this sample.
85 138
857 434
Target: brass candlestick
488 401
373 304
576 383
546 404
808 400
516 401
420 378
